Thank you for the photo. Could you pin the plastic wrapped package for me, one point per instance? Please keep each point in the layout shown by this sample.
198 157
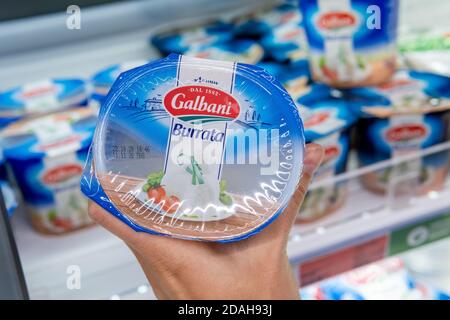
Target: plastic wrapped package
196 149
103 80
46 155
41 97
401 117
352 43
327 120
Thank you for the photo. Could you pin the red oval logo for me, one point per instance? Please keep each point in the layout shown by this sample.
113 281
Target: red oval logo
201 104
406 132
61 173
336 20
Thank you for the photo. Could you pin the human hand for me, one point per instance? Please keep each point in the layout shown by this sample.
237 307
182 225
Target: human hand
254 268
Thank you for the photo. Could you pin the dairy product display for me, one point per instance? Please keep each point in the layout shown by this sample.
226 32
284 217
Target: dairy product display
245 51
400 117
46 155
351 42
183 39
196 149
9 197
41 97
384 280
326 120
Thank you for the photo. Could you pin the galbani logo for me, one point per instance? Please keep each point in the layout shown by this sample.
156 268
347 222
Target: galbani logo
62 173
336 20
406 132
201 104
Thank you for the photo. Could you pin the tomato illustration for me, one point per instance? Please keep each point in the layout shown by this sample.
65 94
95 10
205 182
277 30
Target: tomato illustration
157 194
171 204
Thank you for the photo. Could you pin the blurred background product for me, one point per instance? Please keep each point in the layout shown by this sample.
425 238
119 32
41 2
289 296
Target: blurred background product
351 42
389 135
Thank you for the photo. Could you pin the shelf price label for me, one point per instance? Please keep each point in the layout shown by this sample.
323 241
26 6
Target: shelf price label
419 234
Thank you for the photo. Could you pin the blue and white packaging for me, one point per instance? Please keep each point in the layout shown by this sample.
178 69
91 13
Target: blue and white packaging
244 51
351 43
46 155
286 43
41 97
384 280
196 149
104 79
327 120
400 117
182 40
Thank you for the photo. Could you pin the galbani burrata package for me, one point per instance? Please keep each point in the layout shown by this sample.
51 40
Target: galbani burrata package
352 43
327 120
41 97
196 149
401 117
46 155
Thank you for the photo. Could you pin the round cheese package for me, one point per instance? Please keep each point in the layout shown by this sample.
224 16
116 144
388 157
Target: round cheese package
40 97
46 156
196 149
403 116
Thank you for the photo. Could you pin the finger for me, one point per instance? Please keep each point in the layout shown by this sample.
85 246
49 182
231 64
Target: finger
113 225
313 158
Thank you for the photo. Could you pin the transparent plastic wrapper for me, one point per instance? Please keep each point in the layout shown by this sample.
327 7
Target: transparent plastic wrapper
41 97
196 149
46 155
352 43
403 116
103 80
327 120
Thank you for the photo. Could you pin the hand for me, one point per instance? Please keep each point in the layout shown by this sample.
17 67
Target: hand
255 268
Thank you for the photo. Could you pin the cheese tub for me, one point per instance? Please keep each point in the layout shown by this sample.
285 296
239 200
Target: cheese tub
327 121
404 116
352 43
46 156
40 97
245 51
182 40
196 149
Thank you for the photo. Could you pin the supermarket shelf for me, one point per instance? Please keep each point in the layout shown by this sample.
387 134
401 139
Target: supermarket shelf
98 254
366 215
